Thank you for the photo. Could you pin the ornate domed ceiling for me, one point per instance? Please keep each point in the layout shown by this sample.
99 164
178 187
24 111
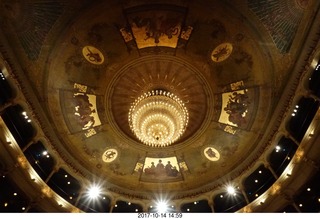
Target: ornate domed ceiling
226 62
104 61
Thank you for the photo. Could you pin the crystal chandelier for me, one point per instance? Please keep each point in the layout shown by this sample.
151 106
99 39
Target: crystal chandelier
158 118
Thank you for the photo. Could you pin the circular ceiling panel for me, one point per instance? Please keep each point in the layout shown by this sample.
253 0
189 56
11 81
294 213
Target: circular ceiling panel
168 74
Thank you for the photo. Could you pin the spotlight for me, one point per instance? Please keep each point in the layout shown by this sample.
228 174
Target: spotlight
162 207
231 190
94 192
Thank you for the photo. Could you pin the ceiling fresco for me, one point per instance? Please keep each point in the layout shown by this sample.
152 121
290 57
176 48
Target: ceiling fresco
101 78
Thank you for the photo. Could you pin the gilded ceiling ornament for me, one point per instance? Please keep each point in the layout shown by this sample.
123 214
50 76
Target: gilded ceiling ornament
185 34
221 52
211 154
127 36
110 155
23 162
93 55
156 28
47 191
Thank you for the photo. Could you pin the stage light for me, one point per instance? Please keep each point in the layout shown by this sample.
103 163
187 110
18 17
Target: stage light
231 190
94 192
162 206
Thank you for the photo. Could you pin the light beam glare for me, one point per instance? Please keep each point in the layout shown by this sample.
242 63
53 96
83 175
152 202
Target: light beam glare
231 190
94 192
162 207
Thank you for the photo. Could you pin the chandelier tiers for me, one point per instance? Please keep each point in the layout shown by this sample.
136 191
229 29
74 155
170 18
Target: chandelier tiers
158 118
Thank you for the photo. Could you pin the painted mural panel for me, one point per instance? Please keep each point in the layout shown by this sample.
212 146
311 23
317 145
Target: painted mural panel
211 154
93 55
161 169
156 27
221 52
86 110
80 111
235 108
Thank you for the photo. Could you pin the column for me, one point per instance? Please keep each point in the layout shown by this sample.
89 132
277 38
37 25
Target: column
55 169
28 208
268 166
177 204
243 192
112 204
5 106
79 197
145 207
288 135
211 204
29 144
310 94
296 207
